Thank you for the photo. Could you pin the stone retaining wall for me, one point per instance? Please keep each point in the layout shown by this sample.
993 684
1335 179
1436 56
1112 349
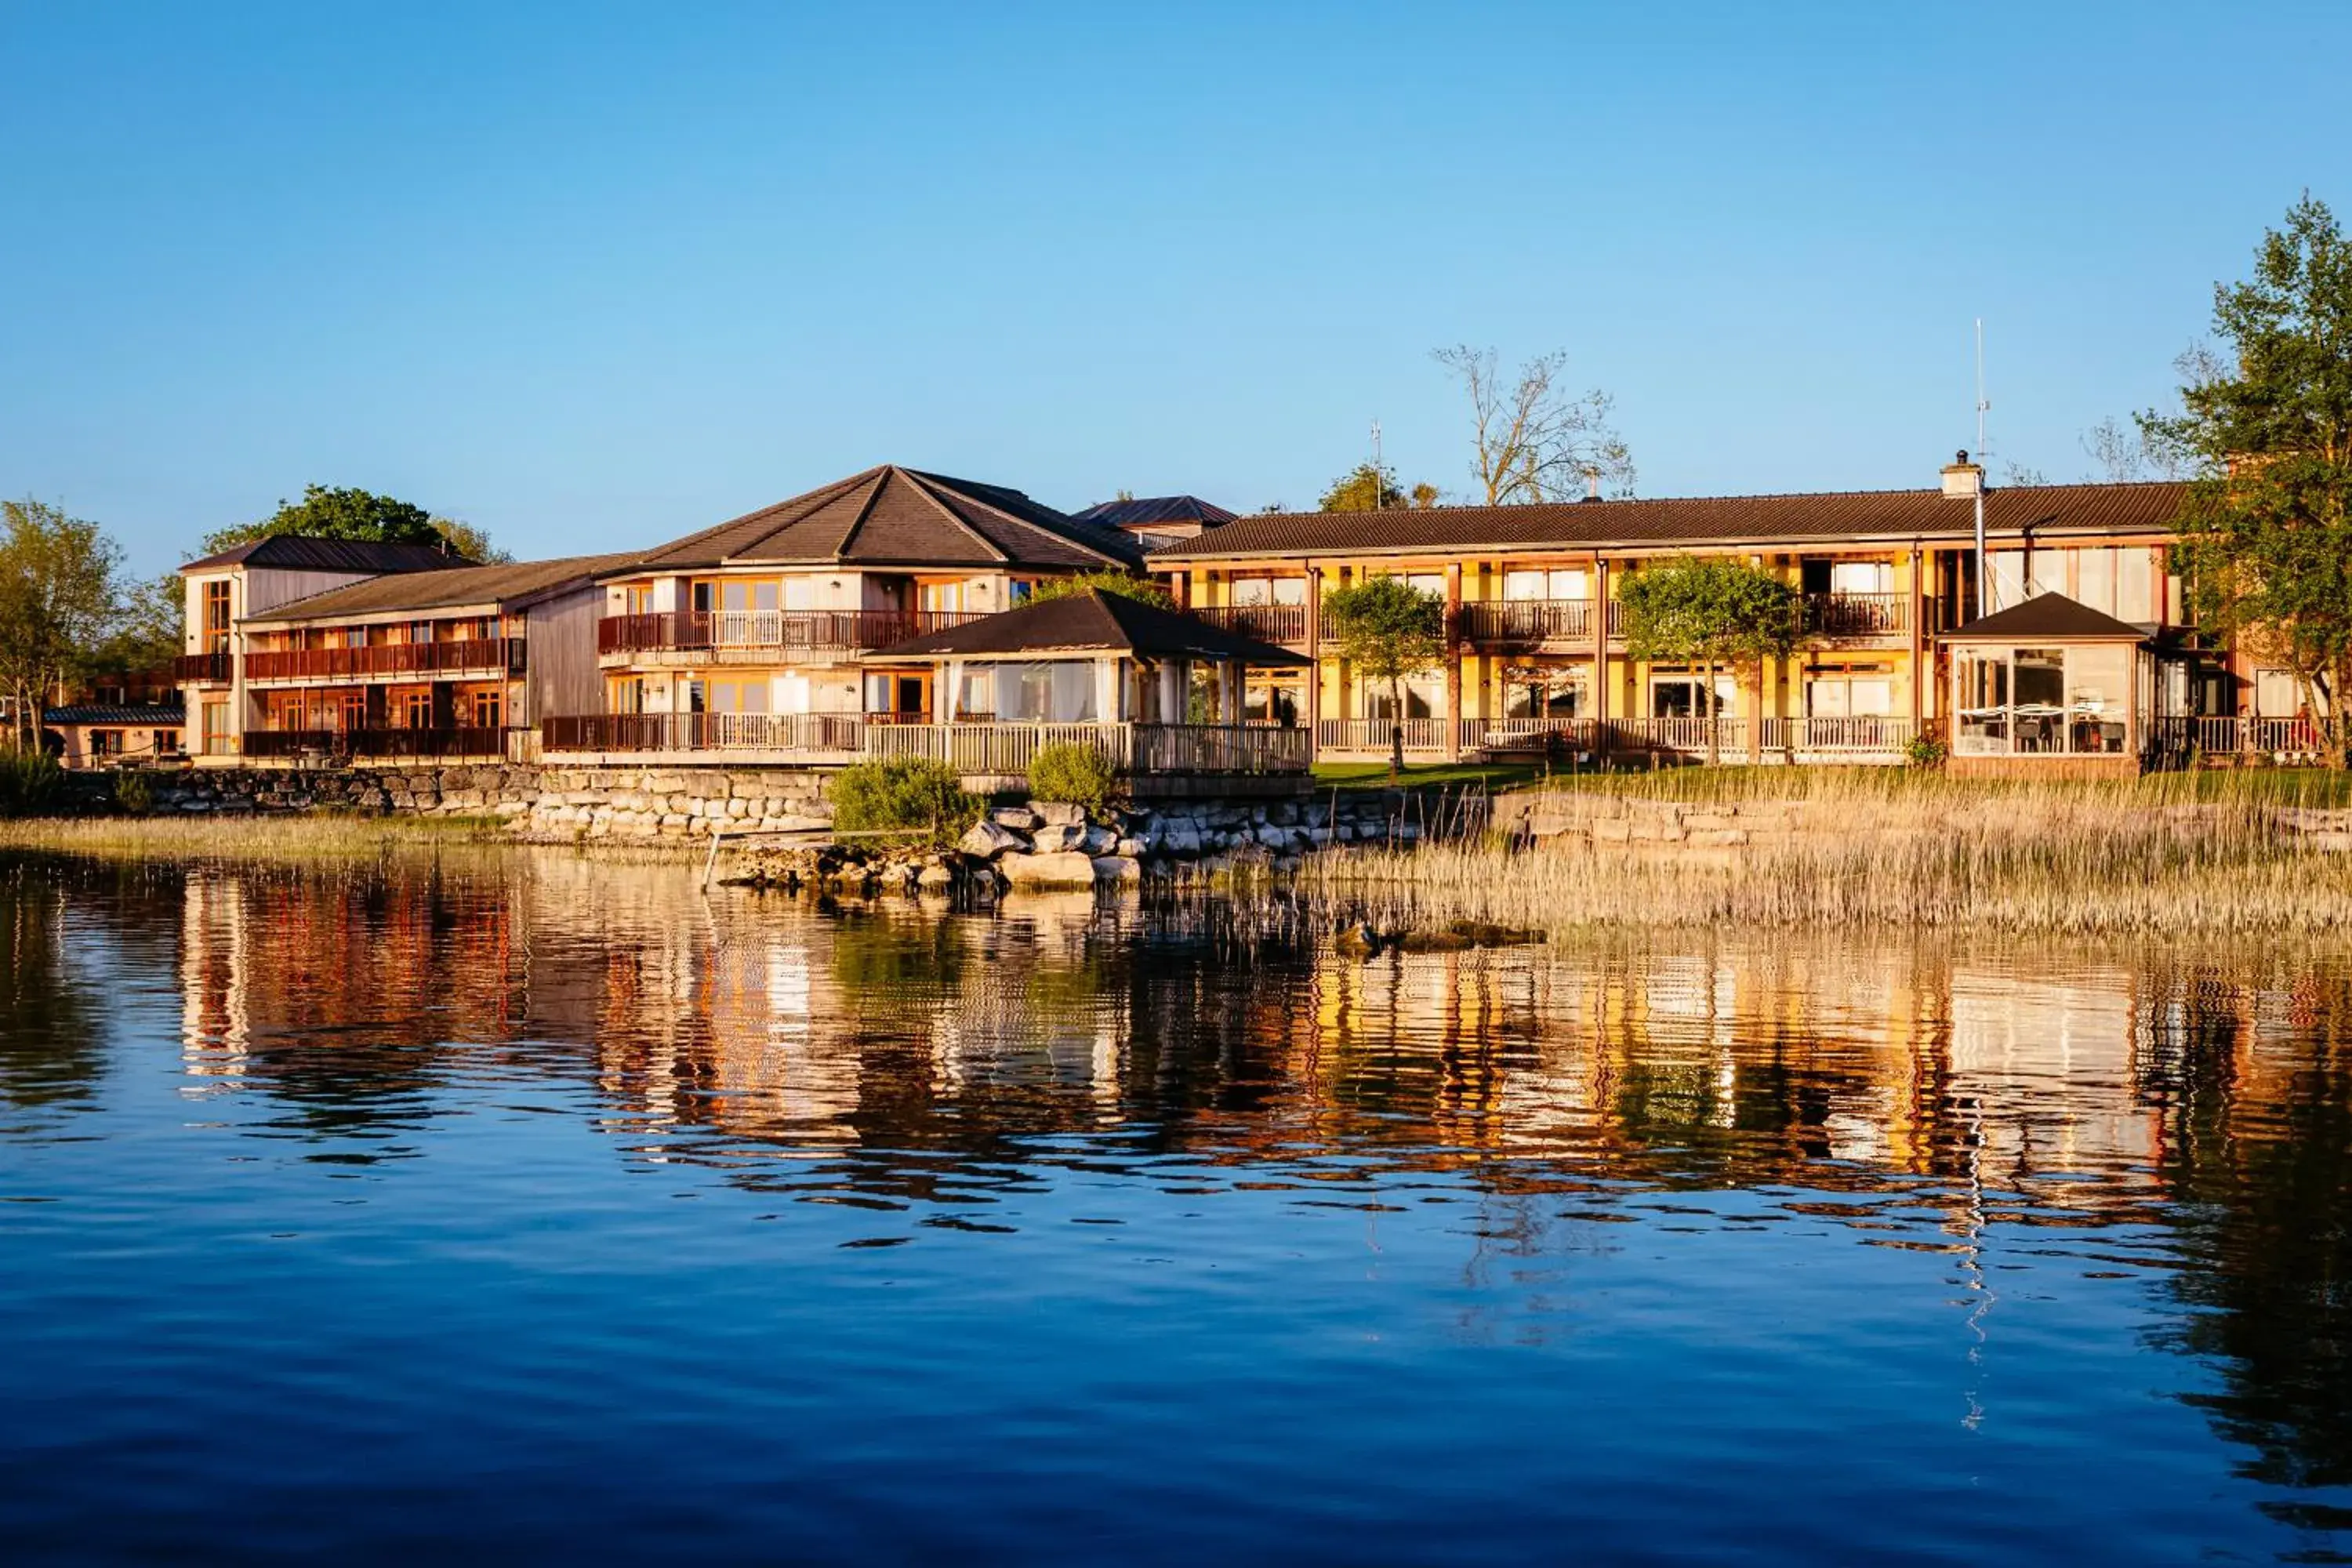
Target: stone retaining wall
561 805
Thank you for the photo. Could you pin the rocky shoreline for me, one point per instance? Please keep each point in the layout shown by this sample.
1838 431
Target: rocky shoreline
1051 845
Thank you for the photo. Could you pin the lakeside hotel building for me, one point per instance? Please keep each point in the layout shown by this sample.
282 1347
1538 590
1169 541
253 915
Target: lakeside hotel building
887 614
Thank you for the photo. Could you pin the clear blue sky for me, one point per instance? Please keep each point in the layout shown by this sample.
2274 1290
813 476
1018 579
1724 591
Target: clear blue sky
592 275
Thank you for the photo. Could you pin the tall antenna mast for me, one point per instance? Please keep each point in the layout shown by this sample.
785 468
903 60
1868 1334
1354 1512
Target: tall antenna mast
1376 465
1984 604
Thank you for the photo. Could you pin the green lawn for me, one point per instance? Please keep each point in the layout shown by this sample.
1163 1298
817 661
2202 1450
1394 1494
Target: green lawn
1425 775
2308 786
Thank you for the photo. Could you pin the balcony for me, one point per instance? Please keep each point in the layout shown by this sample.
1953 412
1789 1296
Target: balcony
1284 624
491 658
1525 623
836 734
1856 614
208 667
777 632
343 745
1002 750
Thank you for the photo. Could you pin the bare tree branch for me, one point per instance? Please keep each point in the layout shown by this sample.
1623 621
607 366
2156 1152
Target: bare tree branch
1531 440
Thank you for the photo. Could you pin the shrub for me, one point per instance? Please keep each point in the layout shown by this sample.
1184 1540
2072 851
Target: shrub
916 796
30 782
1926 752
131 796
1072 773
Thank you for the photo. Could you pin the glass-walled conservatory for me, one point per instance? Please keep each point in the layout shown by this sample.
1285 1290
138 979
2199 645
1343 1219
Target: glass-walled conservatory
2052 677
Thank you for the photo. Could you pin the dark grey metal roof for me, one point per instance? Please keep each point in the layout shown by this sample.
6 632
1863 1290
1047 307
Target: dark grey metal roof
503 587
302 553
1144 512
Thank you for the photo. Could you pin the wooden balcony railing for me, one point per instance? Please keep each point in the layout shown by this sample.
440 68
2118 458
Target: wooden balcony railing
1879 739
342 745
210 666
676 631
2222 735
1374 734
1856 614
481 656
836 733
1525 623
1286 625
1002 749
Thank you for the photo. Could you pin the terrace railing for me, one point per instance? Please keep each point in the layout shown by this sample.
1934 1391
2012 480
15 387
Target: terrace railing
342 745
993 748
211 666
1856 614
1286 625
1525 623
836 734
1374 734
481 656
2242 735
679 631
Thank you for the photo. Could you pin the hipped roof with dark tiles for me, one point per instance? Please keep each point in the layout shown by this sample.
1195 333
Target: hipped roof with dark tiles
1145 510
890 516
2052 615
1767 522
493 587
303 553
1091 622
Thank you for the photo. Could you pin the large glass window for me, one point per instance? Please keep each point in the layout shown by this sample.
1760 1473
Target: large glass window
2044 701
1062 693
1536 693
1424 698
2135 586
1541 582
1274 696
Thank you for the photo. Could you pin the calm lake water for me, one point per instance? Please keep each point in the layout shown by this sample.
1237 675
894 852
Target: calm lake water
520 1206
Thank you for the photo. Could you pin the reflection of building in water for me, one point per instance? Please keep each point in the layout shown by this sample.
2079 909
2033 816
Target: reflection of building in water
1710 1058
215 1030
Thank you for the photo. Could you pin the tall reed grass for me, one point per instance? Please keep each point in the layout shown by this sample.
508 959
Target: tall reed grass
2164 855
240 838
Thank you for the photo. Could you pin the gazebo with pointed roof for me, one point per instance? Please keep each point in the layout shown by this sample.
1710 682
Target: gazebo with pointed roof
1090 658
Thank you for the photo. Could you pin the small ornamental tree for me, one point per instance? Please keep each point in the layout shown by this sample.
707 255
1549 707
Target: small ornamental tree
1142 589
2265 549
1708 612
1387 629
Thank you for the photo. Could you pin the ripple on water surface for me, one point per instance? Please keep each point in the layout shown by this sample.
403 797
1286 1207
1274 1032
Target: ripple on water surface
523 1204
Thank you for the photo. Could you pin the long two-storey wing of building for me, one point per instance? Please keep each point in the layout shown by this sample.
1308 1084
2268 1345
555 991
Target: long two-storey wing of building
1536 655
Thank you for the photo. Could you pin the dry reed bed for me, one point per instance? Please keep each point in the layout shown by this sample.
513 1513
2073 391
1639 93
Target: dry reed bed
238 839
2147 856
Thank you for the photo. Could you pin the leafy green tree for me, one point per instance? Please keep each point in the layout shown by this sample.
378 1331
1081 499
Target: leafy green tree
1109 581
2265 544
1387 629
60 600
1711 612
467 540
350 513
1365 487
150 625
